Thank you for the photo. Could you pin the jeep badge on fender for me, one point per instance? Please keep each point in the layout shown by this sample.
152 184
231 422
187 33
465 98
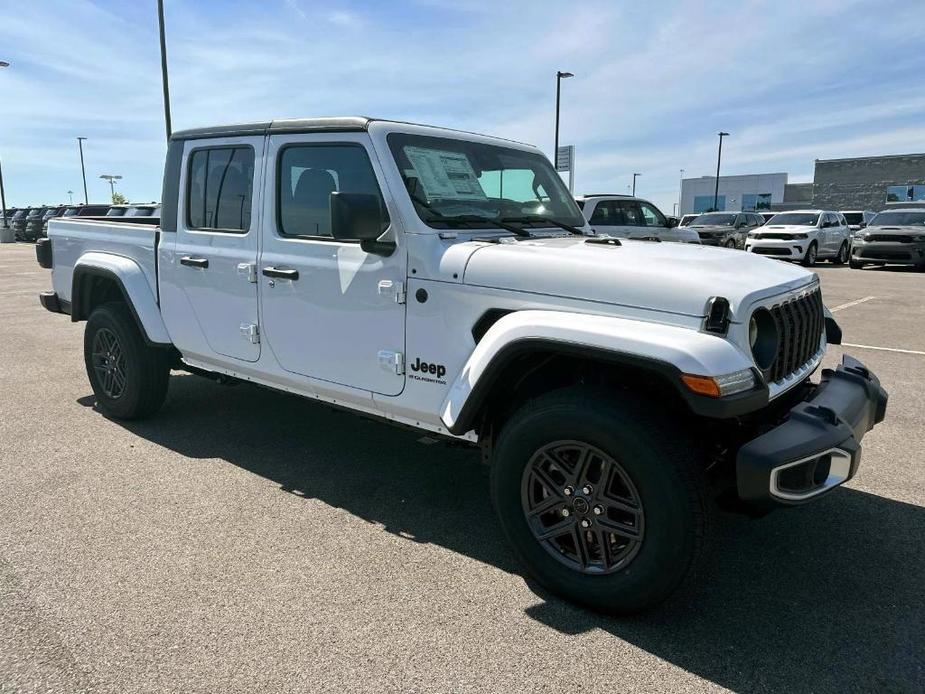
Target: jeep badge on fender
438 370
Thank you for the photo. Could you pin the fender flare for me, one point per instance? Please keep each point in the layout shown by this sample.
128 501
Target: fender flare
133 284
666 350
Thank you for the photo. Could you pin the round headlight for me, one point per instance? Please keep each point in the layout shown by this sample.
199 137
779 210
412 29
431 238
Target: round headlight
763 338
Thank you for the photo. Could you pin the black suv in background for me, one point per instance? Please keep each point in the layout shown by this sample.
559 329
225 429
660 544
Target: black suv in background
19 223
33 230
727 229
51 213
86 211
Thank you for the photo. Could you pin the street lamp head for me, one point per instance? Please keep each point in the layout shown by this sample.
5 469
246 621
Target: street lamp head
722 134
564 75
3 63
81 138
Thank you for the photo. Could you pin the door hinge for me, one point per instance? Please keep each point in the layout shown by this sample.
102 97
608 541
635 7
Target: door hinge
390 288
251 332
392 361
249 270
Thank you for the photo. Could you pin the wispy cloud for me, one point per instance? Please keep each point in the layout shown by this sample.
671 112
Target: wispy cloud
654 81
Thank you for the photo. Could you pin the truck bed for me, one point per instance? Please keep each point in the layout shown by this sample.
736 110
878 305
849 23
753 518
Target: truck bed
72 238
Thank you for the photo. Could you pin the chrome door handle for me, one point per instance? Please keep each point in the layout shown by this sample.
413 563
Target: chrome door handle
280 273
194 262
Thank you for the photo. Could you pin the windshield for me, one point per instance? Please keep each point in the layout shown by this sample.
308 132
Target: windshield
853 217
37 212
20 214
71 211
50 212
802 219
115 212
890 219
459 182
718 220
139 212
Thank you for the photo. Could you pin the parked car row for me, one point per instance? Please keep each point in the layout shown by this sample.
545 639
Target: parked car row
31 223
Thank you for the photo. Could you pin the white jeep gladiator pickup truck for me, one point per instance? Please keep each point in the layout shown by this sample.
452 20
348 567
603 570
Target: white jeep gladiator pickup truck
448 282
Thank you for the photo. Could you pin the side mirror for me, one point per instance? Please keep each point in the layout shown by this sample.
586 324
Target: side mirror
671 222
863 225
358 217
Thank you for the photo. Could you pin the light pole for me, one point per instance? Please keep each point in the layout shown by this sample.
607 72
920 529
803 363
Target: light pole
719 157
634 182
559 77
6 224
112 184
160 21
83 171
680 191
70 196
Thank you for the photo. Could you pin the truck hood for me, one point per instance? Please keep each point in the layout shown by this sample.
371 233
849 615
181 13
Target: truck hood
667 277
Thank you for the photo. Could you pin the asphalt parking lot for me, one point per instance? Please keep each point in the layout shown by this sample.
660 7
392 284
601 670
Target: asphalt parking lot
245 540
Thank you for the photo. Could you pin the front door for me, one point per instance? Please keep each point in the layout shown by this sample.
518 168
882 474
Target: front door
209 290
329 309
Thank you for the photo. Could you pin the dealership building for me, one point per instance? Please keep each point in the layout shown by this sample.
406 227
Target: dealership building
868 183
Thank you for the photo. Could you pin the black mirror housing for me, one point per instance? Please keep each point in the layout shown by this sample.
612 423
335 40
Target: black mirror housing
672 222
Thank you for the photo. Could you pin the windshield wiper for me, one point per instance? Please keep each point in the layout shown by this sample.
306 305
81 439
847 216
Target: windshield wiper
545 220
467 219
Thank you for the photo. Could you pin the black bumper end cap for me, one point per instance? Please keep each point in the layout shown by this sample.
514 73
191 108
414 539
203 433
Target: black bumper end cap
832 331
836 415
52 303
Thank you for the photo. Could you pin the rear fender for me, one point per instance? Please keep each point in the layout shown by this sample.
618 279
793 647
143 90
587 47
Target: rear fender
132 283
667 350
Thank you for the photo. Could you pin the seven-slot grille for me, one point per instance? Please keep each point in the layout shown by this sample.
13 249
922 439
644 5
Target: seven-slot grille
800 322
894 238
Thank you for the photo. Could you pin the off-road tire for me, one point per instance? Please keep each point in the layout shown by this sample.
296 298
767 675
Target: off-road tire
843 253
855 265
662 463
731 243
809 259
145 369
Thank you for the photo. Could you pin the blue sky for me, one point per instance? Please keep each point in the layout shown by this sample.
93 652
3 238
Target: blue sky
655 81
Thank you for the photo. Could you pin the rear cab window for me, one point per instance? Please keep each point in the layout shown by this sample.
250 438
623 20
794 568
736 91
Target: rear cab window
220 185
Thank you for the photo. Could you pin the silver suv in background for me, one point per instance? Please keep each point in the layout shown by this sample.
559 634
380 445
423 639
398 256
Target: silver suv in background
894 237
727 229
629 217
804 235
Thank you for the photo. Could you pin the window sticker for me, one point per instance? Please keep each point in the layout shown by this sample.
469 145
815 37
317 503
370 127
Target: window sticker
445 174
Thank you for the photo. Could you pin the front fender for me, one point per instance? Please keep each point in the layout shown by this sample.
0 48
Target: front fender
668 350
136 290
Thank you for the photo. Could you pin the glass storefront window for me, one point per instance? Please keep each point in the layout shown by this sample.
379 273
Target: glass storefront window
907 193
704 203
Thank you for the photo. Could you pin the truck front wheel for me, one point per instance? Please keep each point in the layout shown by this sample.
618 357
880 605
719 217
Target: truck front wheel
129 378
602 502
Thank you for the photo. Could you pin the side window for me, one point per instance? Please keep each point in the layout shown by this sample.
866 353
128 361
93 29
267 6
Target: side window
308 174
219 189
632 214
605 214
652 217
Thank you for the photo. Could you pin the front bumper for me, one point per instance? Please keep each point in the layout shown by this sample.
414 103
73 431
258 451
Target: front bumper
792 249
818 447
889 252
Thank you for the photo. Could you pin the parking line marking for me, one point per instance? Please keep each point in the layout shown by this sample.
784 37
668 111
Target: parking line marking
884 349
852 303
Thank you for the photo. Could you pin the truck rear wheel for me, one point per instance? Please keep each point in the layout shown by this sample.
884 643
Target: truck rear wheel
601 502
129 378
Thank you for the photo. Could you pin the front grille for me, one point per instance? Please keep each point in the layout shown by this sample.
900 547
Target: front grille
770 251
889 238
772 235
800 323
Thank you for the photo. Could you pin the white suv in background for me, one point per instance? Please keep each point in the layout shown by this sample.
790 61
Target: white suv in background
628 217
804 235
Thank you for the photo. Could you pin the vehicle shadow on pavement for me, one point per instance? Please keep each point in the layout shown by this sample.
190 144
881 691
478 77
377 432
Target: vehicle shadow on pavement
829 597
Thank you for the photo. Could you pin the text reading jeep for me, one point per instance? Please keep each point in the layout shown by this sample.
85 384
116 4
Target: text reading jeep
447 281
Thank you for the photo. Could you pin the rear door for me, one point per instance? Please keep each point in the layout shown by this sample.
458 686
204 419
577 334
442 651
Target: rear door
329 309
209 290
